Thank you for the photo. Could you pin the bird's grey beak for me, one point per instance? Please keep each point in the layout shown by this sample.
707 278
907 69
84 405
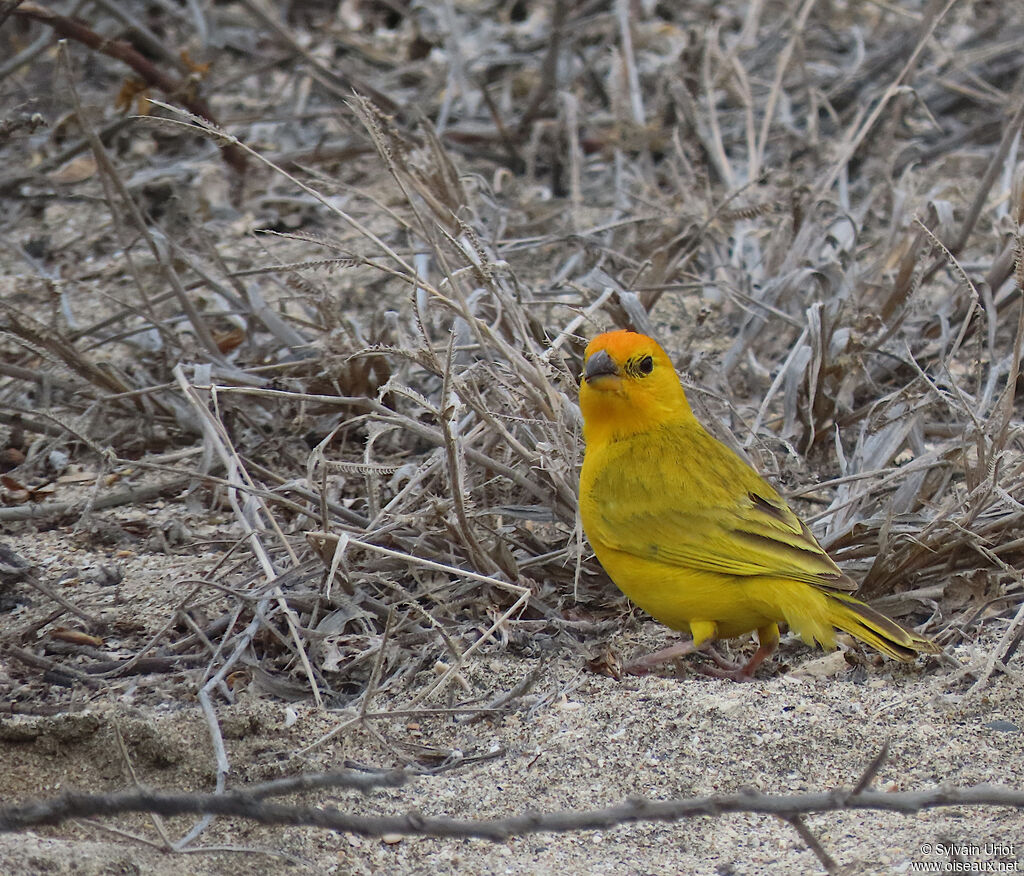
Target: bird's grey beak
600 364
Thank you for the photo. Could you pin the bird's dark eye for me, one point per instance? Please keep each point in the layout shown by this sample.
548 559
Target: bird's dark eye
645 365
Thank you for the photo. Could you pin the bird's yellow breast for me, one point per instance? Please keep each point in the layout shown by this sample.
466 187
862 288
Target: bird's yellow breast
628 489
621 481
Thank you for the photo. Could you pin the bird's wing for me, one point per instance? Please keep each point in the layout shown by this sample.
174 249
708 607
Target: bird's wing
690 522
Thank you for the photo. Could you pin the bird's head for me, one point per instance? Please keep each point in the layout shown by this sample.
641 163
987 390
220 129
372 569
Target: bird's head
629 385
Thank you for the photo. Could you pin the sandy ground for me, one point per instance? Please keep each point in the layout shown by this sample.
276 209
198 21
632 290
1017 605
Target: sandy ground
576 740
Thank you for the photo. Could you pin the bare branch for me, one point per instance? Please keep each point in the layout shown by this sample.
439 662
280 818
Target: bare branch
864 782
249 805
827 861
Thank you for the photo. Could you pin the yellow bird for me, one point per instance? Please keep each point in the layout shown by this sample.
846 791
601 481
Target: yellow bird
691 533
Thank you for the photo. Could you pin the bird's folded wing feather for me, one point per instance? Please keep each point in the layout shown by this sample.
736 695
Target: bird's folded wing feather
743 541
753 534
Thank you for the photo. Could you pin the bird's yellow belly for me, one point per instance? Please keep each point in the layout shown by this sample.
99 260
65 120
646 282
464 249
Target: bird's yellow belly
680 597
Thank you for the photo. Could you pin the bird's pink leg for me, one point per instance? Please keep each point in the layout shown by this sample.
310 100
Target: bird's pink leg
643 665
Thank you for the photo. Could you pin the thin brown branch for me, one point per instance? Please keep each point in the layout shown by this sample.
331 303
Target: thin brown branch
814 844
864 782
179 90
6 8
57 673
995 167
130 496
248 805
547 84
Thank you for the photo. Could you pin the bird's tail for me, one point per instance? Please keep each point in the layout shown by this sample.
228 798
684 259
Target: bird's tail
873 628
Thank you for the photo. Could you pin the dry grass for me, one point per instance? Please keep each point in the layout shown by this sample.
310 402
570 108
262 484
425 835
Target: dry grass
366 344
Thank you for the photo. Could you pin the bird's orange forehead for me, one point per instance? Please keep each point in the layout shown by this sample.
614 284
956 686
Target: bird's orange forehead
622 344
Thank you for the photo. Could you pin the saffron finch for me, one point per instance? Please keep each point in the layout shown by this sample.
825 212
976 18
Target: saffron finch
691 533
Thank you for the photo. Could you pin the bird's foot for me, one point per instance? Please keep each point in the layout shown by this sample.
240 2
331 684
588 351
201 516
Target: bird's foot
721 661
736 671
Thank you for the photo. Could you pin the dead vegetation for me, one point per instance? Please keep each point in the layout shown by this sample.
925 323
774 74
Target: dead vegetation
335 281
